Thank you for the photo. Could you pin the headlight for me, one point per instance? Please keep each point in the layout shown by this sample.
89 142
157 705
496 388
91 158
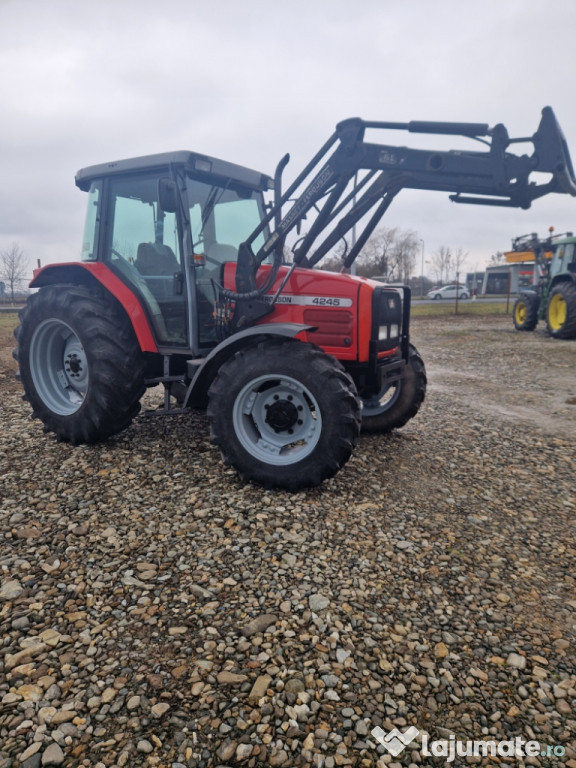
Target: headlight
383 332
386 318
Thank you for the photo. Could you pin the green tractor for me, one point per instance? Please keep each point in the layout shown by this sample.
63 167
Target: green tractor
553 297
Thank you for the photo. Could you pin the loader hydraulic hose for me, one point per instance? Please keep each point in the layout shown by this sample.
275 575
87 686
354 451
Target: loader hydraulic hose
257 292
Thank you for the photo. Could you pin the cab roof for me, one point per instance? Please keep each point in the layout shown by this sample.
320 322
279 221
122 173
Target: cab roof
192 162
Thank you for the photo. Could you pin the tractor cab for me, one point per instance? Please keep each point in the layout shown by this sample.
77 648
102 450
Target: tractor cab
166 225
563 259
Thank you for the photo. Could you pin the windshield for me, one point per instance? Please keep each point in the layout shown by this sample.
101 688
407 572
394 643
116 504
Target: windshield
563 258
222 217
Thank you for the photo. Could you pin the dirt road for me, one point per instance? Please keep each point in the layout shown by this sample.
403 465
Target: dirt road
484 364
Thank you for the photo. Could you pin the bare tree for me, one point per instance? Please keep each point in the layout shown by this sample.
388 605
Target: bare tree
458 259
390 253
447 263
333 263
496 258
405 248
377 257
442 263
13 267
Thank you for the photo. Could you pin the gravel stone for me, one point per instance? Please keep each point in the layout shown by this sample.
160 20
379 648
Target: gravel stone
31 750
516 660
53 755
158 710
259 624
260 687
35 761
10 590
144 746
318 602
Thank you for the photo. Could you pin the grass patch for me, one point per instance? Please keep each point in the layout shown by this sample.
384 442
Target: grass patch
8 320
441 309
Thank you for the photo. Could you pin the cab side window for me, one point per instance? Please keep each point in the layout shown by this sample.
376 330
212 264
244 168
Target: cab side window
143 247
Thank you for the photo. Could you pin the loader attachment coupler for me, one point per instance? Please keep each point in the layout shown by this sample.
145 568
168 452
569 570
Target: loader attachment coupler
350 183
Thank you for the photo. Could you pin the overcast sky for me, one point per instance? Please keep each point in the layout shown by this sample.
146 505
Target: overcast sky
247 80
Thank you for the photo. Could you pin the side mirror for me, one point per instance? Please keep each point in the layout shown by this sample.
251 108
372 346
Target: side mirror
167 195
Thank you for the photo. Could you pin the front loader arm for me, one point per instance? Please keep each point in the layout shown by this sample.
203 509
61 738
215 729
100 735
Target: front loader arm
351 182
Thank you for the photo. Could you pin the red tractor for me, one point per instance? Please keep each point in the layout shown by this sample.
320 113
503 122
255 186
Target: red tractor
184 282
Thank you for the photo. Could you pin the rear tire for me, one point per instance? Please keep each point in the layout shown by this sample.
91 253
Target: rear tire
284 414
525 312
561 311
398 402
80 363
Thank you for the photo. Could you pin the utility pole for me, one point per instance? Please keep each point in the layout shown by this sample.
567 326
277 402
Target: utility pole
457 291
422 271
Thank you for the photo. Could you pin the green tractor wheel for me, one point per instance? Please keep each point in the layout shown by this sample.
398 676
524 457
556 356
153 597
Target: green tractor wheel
525 312
561 311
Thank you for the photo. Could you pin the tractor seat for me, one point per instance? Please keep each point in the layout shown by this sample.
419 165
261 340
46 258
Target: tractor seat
156 259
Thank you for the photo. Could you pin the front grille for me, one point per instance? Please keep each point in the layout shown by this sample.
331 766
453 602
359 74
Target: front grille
334 326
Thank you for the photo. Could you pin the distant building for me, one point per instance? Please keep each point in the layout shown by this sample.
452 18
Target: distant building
506 278
474 282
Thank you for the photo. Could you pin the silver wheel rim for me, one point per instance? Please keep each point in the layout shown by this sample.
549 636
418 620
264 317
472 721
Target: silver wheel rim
383 401
59 367
277 420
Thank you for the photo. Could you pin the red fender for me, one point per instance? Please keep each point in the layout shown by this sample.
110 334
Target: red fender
86 273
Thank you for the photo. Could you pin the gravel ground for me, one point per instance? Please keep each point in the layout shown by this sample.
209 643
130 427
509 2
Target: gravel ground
155 612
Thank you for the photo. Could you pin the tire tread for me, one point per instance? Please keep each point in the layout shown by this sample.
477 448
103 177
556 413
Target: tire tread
117 364
335 384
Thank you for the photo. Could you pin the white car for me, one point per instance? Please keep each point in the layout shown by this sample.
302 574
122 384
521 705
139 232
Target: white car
448 292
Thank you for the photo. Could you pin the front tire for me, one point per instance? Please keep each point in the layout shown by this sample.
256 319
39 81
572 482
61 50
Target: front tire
561 311
284 414
525 312
80 363
396 403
